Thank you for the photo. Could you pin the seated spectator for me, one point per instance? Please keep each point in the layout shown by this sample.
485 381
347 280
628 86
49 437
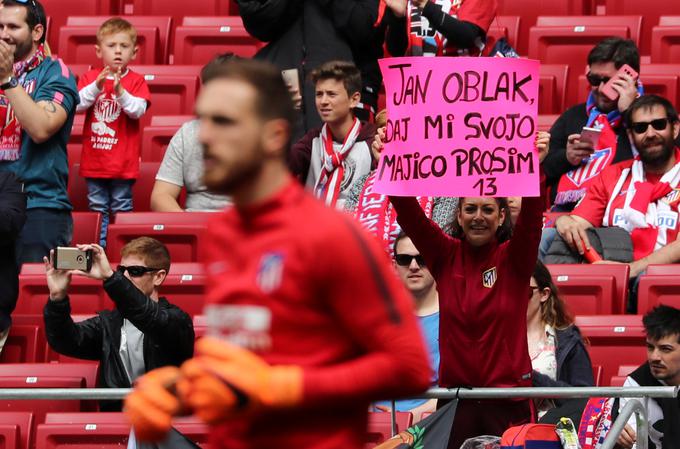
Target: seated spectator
12 218
438 27
572 163
640 195
330 160
662 326
558 355
144 331
182 165
419 281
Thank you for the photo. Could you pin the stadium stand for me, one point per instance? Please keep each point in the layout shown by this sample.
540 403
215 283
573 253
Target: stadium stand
380 426
504 26
666 40
178 9
156 136
86 227
592 289
15 430
60 10
552 88
24 345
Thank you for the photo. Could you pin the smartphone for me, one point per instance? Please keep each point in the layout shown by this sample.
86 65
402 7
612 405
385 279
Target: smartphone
591 135
66 258
608 91
291 78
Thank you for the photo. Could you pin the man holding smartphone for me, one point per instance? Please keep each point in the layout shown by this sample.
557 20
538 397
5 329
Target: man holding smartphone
577 156
144 331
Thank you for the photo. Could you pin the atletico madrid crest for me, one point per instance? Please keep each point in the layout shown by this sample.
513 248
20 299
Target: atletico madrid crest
489 277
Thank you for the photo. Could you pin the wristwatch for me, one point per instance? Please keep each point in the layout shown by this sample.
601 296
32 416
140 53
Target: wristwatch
11 82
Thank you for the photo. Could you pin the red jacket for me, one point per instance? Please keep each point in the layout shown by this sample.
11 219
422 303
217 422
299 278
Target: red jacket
482 330
302 284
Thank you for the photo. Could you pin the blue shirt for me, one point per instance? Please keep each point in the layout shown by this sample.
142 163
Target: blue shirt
429 325
43 168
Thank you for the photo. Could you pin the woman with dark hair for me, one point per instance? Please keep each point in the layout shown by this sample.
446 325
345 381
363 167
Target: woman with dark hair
482 275
558 354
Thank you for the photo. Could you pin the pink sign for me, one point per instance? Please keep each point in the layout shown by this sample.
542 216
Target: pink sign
460 127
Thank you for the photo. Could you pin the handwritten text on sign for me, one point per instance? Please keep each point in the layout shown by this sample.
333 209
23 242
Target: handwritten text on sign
460 127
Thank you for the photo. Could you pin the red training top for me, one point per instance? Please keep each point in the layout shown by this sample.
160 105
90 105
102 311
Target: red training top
300 283
483 296
111 139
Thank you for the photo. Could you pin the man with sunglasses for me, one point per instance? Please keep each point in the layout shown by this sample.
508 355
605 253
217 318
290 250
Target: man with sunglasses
38 97
572 162
640 195
144 331
417 278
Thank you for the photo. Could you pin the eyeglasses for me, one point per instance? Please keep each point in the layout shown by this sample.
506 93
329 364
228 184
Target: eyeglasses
532 289
596 80
404 260
136 271
641 127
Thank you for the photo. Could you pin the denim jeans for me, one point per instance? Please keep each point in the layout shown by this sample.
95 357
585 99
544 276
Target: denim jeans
45 229
109 195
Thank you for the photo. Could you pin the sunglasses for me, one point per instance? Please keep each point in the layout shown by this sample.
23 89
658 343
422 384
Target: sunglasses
532 289
641 127
404 260
596 80
136 271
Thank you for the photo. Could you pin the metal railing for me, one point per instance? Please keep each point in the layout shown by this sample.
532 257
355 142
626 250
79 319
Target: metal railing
641 429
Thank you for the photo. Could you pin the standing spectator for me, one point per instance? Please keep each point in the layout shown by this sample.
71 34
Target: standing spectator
558 355
572 164
482 277
39 99
143 332
12 218
303 34
438 27
115 98
299 361
419 281
331 159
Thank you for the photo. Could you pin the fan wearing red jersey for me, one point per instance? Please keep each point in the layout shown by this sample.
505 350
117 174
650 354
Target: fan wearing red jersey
314 323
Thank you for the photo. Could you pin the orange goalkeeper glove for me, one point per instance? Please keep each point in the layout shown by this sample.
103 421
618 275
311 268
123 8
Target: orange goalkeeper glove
224 380
152 404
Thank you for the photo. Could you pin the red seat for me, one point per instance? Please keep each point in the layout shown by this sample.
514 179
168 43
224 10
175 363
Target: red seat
592 289
546 121
200 39
25 344
651 12
503 26
597 375
173 89
178 9
86 295
60 10
86 227
157 135
670 269
180 231
75 141
79 69
568 40
666 40
76 43
552 86
614 340
625 370
654 290
617 381
529 10
380 426
185 287
15 430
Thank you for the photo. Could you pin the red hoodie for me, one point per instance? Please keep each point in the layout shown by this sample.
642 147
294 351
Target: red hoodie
483 297
335 307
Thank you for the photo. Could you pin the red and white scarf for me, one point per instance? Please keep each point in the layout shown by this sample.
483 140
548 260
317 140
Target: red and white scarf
10 136
644 207
375 212
328 185
425 41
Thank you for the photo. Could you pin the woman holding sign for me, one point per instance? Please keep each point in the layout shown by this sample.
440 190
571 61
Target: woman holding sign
482 277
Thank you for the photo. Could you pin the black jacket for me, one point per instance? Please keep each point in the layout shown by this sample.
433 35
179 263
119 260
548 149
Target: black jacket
573 362
168 333
12 218
303 34
572 121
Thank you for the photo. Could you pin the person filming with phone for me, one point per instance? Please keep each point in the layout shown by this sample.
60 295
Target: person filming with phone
142 332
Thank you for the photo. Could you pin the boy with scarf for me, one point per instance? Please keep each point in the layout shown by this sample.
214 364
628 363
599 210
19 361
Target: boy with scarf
662 326
115 98
38 97
330 160
572 164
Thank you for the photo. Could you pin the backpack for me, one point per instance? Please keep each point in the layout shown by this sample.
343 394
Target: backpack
531 436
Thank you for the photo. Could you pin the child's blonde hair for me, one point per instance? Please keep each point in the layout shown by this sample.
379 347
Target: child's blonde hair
116 25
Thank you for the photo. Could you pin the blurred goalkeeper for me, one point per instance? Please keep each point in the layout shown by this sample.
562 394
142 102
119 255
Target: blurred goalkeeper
313 323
